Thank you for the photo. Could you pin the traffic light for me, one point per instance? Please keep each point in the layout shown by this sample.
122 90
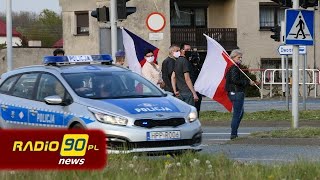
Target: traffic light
308 3
284 3
102 14
123 10
276 35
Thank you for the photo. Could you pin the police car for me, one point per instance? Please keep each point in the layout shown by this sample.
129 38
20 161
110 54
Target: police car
88 92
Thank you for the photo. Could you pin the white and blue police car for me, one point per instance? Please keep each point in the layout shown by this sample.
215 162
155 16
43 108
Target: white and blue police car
88 92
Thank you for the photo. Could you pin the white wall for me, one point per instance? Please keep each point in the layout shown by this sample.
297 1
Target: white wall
16 41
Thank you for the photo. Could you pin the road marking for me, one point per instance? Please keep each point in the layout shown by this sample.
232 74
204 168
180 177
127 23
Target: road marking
223 133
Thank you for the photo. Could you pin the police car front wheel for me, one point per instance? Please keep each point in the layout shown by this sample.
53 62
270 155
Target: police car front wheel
77 126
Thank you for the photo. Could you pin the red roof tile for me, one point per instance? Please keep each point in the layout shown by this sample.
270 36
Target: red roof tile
58 44
3 30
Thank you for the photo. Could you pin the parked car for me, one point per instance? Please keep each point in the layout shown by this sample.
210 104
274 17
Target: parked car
89 92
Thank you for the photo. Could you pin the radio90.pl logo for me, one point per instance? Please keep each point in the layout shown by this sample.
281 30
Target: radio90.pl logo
75 145
73 148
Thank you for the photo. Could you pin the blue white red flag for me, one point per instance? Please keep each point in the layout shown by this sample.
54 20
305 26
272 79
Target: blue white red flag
135 47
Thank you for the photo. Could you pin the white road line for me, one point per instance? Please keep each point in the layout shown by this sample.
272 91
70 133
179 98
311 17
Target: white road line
224 133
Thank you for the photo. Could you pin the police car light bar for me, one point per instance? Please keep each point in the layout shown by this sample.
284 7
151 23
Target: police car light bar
77 59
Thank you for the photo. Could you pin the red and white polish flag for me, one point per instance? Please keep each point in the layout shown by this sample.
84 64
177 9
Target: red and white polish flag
211 80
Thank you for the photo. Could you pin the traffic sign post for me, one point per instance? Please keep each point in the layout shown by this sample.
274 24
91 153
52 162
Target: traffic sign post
299 31
295 63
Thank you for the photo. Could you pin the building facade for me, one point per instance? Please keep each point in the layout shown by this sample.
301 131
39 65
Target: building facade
243 24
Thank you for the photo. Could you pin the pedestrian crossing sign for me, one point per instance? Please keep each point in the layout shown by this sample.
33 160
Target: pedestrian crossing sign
299 27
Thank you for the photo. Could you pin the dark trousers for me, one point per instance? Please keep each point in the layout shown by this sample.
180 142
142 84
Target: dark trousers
187 98
237 99
198 103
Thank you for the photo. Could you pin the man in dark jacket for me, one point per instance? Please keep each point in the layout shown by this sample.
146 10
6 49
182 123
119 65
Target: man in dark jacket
168 66
236 83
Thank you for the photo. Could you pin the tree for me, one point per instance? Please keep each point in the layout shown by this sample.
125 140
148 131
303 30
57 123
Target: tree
3 46
45 27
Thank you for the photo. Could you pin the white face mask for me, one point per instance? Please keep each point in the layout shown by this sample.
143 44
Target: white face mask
150 59
176 54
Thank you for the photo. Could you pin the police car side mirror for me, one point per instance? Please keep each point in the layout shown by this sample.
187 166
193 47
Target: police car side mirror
53 100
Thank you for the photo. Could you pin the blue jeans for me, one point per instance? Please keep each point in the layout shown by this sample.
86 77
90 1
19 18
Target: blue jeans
237 99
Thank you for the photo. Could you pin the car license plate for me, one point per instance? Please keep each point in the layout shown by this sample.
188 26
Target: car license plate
163 135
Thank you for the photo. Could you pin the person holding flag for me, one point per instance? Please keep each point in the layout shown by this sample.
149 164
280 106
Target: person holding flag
134 49
222 80
151 70
236 83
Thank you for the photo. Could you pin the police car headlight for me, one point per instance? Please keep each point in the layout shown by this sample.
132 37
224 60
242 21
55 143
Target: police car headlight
109 119
193 115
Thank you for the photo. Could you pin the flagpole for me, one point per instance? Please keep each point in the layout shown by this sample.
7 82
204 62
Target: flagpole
248 77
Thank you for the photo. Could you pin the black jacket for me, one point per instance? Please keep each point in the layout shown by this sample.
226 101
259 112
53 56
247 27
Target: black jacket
235 80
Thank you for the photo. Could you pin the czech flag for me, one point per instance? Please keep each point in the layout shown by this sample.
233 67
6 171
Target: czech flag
135 47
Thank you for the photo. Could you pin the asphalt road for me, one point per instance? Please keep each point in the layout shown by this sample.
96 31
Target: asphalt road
215 141
256 104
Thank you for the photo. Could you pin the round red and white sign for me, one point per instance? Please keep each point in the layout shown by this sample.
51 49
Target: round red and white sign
156 21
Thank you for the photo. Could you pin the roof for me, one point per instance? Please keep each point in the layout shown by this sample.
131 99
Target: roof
58 44
3 30
69 68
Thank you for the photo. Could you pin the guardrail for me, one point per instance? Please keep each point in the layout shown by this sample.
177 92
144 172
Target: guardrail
274 77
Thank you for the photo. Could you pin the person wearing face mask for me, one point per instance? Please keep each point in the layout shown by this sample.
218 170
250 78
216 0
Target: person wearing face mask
236 83
182 77
151 70
168 66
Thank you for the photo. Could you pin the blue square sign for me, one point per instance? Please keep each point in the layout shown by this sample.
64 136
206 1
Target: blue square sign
299 27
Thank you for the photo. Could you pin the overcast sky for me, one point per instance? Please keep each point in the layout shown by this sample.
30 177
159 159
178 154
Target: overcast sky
31 5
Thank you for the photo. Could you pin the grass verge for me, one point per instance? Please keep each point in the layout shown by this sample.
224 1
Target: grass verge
189 166
304 132
272 115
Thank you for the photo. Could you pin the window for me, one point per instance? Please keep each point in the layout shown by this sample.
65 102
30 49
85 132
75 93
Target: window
49 86
25 86
268 14
109 85
82 22
6 86
189 17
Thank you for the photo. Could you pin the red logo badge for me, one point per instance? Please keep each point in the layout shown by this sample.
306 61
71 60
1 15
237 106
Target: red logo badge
52 149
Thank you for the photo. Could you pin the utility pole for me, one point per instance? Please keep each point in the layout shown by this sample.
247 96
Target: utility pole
113 23
9 35
304 80
283 29
295 78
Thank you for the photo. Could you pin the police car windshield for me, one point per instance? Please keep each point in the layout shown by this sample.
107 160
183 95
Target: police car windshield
111 85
